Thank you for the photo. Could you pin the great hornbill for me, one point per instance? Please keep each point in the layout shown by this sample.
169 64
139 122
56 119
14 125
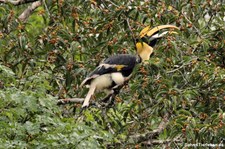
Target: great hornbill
114 71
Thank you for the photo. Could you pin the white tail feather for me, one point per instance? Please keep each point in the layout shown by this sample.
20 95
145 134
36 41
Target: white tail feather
88 97
82 84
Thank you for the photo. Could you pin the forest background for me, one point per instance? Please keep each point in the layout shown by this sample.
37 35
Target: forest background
48 47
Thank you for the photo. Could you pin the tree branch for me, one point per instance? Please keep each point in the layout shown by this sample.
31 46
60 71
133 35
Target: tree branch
70 100
133 37
24 16
197 30
151 135
104 100
158 142
17 2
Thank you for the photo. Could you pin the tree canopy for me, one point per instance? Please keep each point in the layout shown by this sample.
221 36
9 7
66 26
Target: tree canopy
48 47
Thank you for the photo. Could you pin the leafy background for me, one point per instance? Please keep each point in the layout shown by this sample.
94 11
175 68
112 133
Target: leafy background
47 57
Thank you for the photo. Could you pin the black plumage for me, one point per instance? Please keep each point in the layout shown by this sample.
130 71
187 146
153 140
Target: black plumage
110 75
123 63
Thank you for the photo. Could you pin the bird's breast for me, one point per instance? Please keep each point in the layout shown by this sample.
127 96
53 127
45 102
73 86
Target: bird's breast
118 78
102 82
107 80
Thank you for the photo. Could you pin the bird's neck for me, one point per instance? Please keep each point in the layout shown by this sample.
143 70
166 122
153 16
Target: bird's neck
138 59
145 55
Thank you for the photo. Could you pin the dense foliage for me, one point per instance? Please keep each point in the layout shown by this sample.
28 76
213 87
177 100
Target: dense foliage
47 57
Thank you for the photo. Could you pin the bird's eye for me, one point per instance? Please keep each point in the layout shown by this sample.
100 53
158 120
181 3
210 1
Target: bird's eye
145 39
137 40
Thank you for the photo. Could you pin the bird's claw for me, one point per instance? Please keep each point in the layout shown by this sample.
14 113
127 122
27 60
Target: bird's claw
83 108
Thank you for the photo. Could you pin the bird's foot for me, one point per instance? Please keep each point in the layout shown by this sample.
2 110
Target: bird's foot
83 109
92 104
108 102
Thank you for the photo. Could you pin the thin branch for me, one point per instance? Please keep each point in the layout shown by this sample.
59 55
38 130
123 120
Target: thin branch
104 100
46 7
151 135
182 66
17 2
159 142
112 3
80 100
197 30
133 37
26 13
210 21
70 100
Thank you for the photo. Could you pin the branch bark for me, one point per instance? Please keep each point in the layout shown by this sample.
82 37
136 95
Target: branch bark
158 142
133 37
17 2
70 100
80 100
151 135
27 12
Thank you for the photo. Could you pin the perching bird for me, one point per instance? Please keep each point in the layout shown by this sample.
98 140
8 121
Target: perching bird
113 72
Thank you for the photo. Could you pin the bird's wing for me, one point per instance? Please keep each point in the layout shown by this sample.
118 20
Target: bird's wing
123 63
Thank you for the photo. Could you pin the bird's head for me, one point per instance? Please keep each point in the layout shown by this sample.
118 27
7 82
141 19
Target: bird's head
148 38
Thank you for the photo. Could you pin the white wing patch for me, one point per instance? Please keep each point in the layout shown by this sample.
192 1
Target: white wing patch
118 67
85 80
118 78
106 66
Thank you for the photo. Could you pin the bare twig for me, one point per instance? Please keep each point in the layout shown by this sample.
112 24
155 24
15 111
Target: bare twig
112 3
197 30
24 16
46 8
70 100
27 12
158 142
133 37
182 66
151 135
17 2
210 21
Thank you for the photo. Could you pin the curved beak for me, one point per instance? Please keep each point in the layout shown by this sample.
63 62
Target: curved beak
144 31
149 32
145 49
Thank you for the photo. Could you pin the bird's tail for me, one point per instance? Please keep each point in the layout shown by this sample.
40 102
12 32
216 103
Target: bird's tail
88 97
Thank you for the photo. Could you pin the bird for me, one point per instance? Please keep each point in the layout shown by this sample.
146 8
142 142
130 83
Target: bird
114 71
